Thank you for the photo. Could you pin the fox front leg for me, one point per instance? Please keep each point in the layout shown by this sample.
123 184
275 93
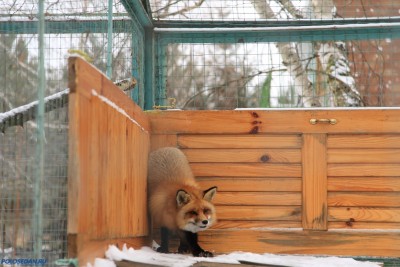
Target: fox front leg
189 243
164 240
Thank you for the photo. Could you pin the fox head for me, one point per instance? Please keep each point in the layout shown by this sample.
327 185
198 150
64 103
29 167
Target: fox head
195 212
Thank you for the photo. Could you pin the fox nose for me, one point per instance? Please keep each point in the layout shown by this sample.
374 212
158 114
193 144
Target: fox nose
205 222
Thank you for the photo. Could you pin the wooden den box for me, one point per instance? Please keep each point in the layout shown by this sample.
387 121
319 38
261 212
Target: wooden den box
315 181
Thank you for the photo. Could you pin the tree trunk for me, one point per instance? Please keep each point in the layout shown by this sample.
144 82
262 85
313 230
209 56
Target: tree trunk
290 58
334 62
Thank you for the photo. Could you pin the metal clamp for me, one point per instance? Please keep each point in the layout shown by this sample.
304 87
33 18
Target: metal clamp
330 121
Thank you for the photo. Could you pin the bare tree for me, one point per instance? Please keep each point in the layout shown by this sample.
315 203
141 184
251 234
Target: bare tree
334 62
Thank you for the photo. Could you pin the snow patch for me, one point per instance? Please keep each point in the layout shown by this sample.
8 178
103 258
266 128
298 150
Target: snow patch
25 108
149 256
117 108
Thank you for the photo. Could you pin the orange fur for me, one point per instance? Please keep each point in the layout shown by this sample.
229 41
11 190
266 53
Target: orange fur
169 172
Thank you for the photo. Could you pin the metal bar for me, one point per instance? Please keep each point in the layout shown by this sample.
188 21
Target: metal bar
289 34
65 27
109 40
269 22
149 69
136 9
38 204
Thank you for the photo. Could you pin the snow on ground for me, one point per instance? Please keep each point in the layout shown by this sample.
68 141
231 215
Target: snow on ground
149 256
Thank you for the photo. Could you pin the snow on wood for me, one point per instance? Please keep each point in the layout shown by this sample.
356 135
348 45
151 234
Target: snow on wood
149 256
117 108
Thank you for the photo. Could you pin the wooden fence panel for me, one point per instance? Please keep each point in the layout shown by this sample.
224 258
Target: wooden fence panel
109 142
288 186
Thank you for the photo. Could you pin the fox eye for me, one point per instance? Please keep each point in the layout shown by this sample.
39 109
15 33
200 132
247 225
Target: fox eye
206 211
193 213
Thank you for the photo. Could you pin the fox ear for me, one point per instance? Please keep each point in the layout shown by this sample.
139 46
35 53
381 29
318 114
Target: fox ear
182 197
209 193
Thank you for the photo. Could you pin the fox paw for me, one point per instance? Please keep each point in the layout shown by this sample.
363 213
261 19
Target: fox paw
162 250
203 253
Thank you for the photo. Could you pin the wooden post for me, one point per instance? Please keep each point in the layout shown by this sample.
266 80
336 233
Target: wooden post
315 210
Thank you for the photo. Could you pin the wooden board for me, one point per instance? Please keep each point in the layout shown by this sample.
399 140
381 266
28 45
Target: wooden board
364 214
239 141
273 155
365 140
108 147
274 121
314 182
370 184
246 169
248 184
337 242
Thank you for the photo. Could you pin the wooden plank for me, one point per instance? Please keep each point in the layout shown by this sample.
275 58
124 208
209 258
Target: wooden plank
244 155
350 224
259 213
275 121
364 199
368 170
163 140
355 155
239 224
314 182
83 78
239 141
382 140
356 214
337 242
246 169
371 184
258 198
100 167
252 184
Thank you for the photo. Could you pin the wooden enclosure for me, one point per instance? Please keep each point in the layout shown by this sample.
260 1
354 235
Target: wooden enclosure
285 185
108 146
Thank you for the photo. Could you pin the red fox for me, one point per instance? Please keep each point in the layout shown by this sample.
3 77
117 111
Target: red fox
176 202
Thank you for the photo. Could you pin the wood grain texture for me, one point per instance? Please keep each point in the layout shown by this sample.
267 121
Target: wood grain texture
107 162
258 198
338 242
364 140
243 224
314 182
256 141
240 184
370 184
364 199
363 155
368 170
244 155
274 121
357 214
259 213
360 225
246 169
162 140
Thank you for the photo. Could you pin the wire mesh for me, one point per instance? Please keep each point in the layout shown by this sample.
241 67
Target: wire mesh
283 74
258 10
72 27
18 164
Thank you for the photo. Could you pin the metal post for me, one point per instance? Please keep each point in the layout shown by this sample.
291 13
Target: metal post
38 204
109 39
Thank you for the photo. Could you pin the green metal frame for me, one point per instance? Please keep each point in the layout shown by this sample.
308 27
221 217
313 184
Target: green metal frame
153 37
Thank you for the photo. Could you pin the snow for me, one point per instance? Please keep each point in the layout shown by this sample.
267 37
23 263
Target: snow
117 108
149 256
25 108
